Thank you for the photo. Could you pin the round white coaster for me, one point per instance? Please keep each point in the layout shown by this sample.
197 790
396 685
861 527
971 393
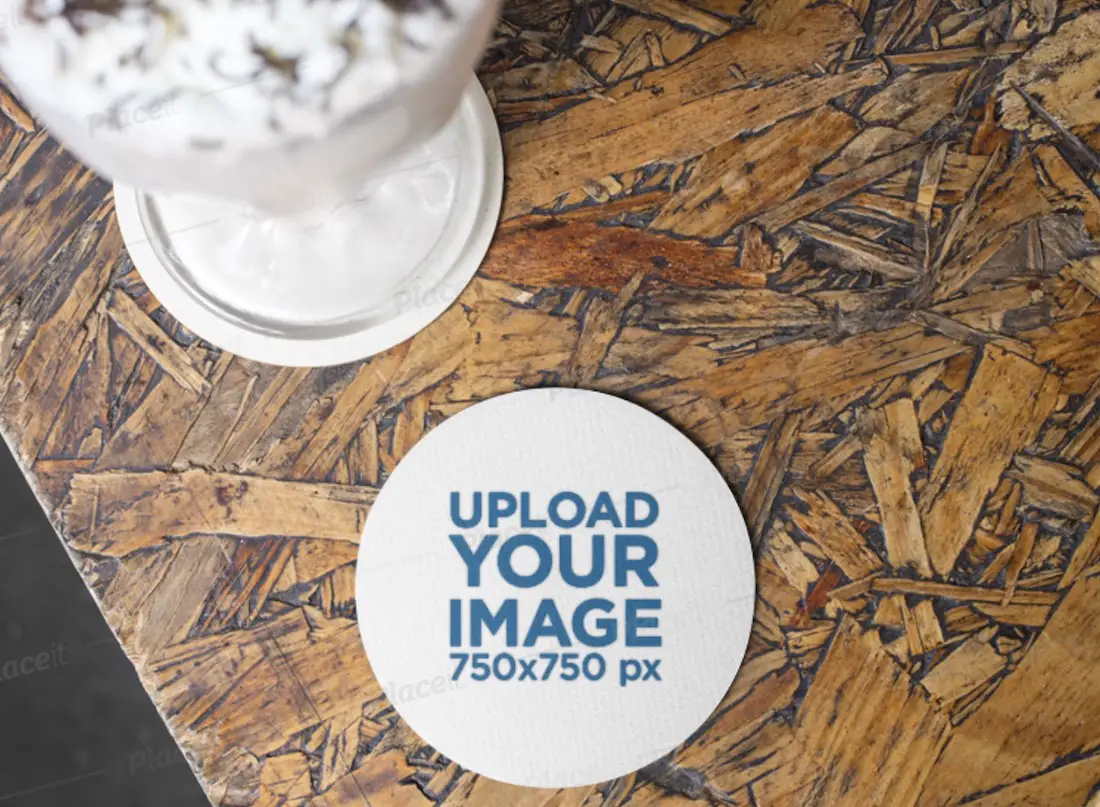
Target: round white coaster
337 285
555 588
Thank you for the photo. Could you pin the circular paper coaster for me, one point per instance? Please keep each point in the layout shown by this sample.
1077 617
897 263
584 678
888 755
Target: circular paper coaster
555 588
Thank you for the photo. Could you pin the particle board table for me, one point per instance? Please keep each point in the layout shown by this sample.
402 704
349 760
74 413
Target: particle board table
847 247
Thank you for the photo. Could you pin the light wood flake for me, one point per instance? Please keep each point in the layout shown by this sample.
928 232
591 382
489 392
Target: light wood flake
1001 412
892 452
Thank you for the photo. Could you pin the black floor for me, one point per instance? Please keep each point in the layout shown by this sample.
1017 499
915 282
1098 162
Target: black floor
78 727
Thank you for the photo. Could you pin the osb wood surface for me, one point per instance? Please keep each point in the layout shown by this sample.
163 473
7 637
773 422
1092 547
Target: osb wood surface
849 248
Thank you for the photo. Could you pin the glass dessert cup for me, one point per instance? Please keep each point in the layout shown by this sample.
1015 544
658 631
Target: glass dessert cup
343 279
322 250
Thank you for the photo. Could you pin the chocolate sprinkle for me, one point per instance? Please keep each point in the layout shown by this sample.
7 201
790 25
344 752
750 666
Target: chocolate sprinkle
419 6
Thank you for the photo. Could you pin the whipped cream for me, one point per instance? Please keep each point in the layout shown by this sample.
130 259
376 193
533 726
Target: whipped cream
221 76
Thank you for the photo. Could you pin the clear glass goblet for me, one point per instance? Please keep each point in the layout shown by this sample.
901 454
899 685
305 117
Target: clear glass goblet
288 206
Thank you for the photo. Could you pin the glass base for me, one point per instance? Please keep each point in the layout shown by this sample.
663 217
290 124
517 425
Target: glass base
335 284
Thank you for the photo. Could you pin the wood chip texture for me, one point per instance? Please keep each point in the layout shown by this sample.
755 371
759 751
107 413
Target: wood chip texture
846 247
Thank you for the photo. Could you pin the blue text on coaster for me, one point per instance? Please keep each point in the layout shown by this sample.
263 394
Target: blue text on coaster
555 588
